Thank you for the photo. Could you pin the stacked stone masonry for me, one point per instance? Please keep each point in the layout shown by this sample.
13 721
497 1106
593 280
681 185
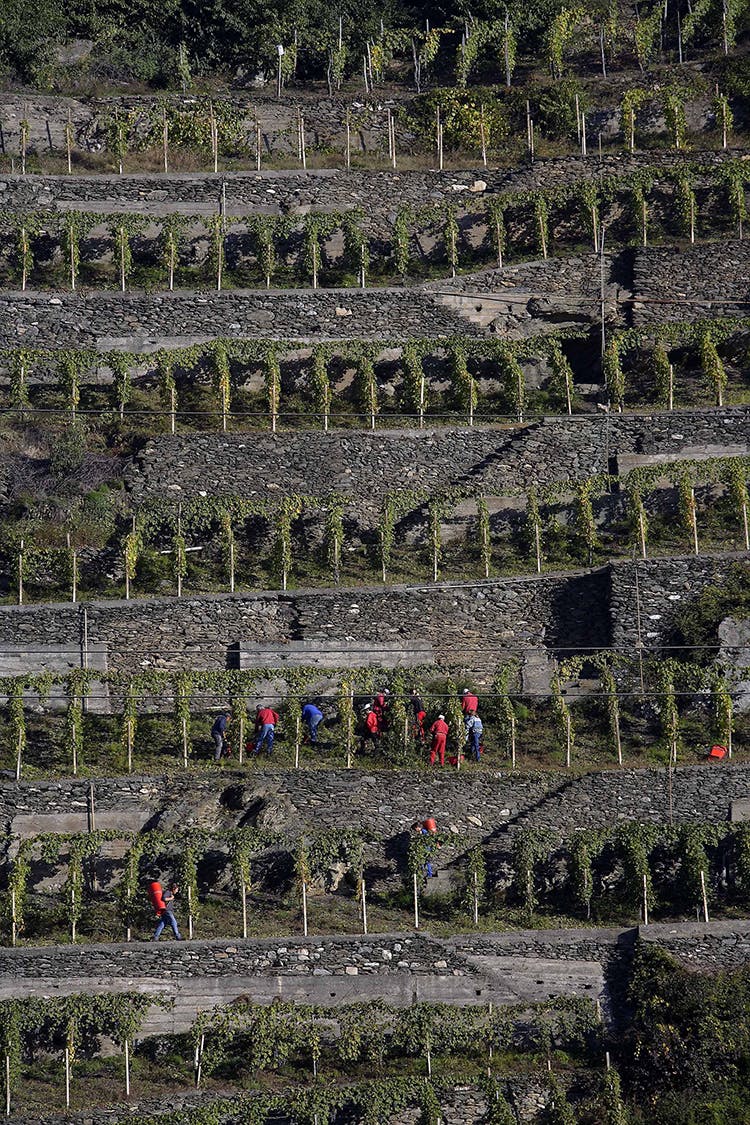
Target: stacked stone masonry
364 467
474 624
482 807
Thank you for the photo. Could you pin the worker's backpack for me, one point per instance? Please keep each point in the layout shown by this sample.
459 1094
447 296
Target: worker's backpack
156 895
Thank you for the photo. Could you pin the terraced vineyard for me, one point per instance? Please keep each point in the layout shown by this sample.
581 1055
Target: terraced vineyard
410 383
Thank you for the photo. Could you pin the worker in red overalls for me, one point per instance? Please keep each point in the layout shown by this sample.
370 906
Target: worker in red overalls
469 702
372 731
439 731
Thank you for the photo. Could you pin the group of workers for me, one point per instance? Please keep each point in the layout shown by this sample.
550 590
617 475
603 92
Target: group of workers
375 722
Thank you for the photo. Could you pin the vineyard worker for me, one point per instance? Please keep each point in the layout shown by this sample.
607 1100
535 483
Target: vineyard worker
439 731
469 702
428 827
166 913
380 705
419 713
474 729
371 733
265 728
312 717
219 733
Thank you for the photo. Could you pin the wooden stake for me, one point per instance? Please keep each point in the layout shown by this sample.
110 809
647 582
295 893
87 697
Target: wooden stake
67 1078
364 906
244 909
13 919
645 899
7 1084
257 146
165 140
416 903
304 908
348 153
127 1069
190 912
704 897
476 900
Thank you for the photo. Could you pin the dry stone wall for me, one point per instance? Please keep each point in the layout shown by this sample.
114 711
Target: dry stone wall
281 192
364 466
688 282
382 804
133 320
476 624
473 624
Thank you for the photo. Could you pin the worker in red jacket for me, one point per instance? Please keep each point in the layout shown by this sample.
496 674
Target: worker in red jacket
469 702
372 729
439 731
380 706
265 728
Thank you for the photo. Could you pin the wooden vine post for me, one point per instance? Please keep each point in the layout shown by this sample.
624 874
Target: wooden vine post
24 243
21 564
165 140
190 901
69 142
304 908
67 1077
363 903
416 901
7 1084
73 556
126 1048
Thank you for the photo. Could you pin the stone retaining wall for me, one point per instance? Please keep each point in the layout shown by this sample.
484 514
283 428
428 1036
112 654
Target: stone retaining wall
688 282
462 1103
364 466
324 189
381 804
701 945
133 320
472 624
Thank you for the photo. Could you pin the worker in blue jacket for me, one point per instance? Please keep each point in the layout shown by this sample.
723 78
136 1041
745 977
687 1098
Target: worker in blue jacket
312 717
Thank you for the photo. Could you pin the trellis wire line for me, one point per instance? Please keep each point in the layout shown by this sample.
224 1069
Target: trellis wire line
206 695
375 647
381 419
